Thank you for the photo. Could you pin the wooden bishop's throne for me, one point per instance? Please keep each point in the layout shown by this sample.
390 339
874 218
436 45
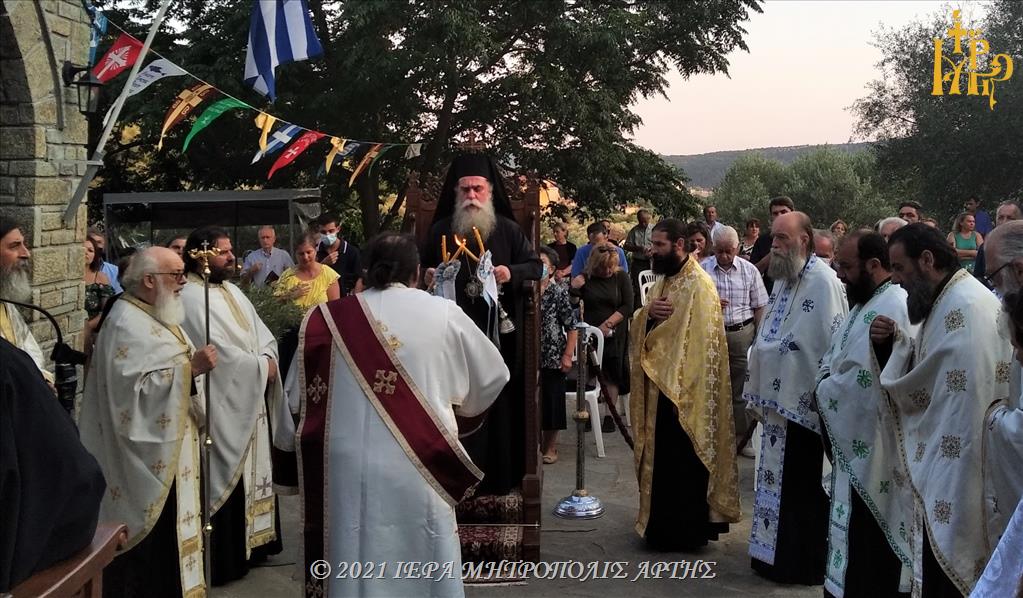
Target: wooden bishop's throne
492 528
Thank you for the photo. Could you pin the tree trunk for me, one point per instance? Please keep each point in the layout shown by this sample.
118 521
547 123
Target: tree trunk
367 187
431 156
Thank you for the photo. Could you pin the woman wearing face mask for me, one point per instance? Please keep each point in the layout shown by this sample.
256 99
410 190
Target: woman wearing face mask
557 344
309 283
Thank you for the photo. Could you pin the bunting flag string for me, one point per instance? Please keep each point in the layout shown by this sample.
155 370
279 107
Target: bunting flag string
301 144
211 114
97 31
183 105
154 71
377 157
367 159
119 57
265 122
280 138
336 145
413 151
271 141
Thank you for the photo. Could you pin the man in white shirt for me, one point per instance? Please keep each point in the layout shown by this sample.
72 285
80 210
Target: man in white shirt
710 214
267 263
743 297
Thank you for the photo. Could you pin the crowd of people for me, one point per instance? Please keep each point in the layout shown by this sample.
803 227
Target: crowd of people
875 353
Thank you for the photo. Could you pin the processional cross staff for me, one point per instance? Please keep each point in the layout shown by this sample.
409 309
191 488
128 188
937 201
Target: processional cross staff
203 257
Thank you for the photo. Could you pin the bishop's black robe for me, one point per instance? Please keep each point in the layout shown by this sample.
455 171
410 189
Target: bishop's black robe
50 486
498 447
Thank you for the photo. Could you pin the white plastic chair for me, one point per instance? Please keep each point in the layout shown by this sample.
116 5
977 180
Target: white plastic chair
644 291
646 276
592 395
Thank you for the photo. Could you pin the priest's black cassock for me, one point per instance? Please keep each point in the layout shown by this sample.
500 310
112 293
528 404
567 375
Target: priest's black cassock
50 486
497 447
875 564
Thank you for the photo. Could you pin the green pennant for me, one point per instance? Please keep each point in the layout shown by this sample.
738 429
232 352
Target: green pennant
377 157
210 115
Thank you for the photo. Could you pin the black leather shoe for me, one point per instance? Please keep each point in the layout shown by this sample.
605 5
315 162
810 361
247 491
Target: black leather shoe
608 425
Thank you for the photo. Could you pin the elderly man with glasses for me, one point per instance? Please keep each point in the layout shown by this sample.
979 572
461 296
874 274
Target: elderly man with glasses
140 419
1008 211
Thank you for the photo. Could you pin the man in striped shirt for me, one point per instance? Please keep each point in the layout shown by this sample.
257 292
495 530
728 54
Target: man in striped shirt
743 297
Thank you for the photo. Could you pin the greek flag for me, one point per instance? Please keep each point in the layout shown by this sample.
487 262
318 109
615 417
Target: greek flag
278 139
280 32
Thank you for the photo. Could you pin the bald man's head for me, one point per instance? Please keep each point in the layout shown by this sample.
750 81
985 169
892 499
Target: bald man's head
797 226
791 245
1003 257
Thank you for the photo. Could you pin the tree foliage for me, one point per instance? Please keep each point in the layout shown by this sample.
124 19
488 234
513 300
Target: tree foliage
549 85
941 149
826 184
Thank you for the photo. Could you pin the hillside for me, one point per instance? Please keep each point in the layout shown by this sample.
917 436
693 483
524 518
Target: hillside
707 170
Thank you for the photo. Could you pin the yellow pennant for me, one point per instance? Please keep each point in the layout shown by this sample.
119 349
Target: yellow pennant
184 103
265 122
337 144
370 155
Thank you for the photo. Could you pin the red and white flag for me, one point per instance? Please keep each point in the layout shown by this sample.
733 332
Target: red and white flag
121 56
301 144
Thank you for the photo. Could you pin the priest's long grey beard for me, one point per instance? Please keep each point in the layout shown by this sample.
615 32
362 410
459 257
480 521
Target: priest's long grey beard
15 283
786 265
484 219
170 309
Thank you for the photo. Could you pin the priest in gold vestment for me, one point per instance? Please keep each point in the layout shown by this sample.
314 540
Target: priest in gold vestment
681 404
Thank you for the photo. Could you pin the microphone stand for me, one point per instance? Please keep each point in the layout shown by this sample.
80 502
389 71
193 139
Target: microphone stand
64 361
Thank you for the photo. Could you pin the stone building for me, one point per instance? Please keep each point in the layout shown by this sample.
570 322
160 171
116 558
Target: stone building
43 140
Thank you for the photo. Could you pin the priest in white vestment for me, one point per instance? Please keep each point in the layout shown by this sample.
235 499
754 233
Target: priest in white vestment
1003 429
789 531
16 285
369 495
941 381
242 387
140 417
871 504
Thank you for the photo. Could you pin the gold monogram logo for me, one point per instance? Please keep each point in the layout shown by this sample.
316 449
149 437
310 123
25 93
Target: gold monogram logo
977 47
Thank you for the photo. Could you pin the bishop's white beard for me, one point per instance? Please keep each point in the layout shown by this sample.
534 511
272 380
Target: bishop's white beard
170 309
484 219
15 283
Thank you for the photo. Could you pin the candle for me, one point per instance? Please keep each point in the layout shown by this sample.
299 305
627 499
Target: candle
479 239
444 247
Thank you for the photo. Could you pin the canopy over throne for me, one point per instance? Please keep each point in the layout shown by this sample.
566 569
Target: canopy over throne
484 521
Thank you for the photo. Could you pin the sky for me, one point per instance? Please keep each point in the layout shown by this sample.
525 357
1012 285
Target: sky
808 61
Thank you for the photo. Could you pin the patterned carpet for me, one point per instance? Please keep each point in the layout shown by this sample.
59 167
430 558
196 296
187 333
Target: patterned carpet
483 541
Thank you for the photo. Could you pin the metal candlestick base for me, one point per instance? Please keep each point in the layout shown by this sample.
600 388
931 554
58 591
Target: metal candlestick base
579 507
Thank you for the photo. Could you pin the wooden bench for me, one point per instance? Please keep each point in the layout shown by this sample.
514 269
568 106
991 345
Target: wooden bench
80 575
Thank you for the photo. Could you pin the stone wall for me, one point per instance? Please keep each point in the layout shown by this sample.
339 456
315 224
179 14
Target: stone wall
43 140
